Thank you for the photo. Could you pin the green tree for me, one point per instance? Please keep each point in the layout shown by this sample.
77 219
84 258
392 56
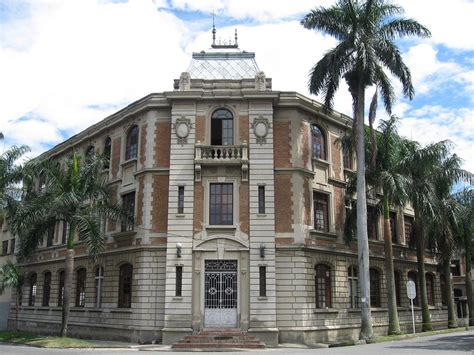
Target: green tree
366 31
74 192
12 276
428 168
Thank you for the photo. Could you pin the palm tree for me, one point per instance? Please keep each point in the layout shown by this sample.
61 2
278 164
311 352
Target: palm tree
74 192
427 168
12 276
384 174
366 31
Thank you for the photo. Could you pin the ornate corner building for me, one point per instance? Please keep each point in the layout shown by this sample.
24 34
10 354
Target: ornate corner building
238 193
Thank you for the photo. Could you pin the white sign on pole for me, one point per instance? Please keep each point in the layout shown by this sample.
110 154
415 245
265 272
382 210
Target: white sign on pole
411 293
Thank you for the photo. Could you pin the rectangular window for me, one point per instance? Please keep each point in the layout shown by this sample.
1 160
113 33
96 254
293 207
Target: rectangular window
321 212
99 279
65 232
128 204
12 246
221 206
180 199
347 160
261 199
408 226
50 236
5 247
263 280
456 268
179 281
372 222
393 227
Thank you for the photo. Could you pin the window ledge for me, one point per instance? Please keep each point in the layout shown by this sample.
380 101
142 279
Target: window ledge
129 161
43 308
78 309
121 310
180 215
323 233
326 310
320 161
353 310
262 298
177 298
95 310
224 226
261 215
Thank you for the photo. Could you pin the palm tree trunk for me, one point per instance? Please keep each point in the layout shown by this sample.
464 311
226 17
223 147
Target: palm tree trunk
16 312
68 280
393 323
452 321
366 331
467 261
420 255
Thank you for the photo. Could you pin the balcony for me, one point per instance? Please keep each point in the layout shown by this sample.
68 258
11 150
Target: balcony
221 155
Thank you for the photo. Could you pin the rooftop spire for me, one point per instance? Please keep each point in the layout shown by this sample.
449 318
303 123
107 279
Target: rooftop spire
220 44
213 31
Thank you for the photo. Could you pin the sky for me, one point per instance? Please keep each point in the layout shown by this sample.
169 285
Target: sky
67 64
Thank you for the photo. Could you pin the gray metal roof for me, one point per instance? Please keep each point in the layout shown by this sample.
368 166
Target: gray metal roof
219 63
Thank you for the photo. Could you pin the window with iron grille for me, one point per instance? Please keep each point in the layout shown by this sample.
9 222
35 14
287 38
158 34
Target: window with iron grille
353 280
221 204
408 226
261 199
374 275
413 276
99 280
125 286
81 288
128 205
393 227
180 199
323 286
222 127
131 147
32 298
262 281
107 152
321 212
179 281
62 276
46 289
398 281
430 290
372 220
318 142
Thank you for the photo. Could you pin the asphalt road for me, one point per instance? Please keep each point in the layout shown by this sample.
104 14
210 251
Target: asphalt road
443 344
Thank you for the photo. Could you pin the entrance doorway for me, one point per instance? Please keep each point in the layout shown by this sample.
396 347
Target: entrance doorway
220 293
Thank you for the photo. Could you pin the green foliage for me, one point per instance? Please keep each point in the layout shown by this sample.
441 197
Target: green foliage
11 275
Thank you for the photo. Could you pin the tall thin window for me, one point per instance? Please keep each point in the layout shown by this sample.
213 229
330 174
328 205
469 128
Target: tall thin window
107 152
179 281
46 289
180 199
318 142
412 275
62 276
5 247
128 205
353 279
81 287
262 271
393 227
99 281
222 127
323 286
65 232
398 281
50 236
374 287
321 212
261 199
430 290
408 226
131 147
221 204
125 286
347 159
372 222
32 298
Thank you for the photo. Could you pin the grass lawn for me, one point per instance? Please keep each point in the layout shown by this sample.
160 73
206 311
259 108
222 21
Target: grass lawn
379 339
11 336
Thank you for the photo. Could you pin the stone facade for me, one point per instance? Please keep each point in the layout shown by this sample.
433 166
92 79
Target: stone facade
270 242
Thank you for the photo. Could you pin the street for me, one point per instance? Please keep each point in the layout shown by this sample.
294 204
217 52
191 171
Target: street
442 344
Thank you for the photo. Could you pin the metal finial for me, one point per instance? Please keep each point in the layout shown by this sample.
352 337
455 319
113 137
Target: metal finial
236 43
213 30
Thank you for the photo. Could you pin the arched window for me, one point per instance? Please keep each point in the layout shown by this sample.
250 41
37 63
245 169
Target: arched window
413 276
62 276
46 289
374 287
398 281
81 287
323 286
107 152
125 286
444 290
353 280
131 148
32 298
222 127
318 142
430 290
99 281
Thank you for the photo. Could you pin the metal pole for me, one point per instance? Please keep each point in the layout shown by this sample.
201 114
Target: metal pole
412 315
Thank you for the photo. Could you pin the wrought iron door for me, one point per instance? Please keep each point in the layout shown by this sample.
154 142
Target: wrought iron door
220 293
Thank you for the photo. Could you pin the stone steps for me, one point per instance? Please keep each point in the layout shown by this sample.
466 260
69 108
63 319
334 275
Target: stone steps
215 339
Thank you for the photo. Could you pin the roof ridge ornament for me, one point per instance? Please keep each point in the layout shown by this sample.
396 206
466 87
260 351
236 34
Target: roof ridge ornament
221 45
